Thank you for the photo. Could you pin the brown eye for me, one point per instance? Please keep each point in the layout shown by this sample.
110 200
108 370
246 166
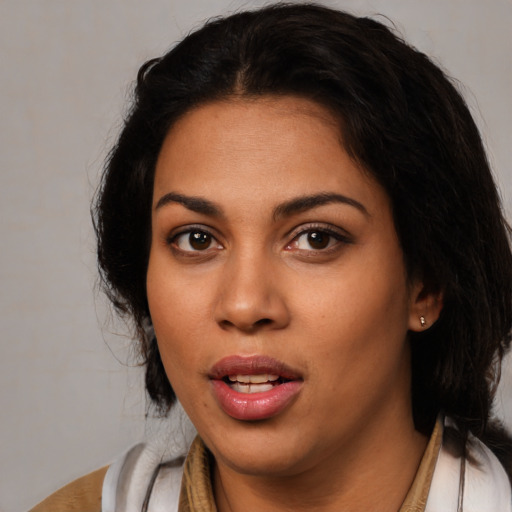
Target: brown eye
318 239
199 240
195 240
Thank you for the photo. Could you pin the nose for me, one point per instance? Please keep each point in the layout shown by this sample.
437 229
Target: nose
250 297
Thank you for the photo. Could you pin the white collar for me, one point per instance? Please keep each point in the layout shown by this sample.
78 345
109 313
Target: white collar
486 487
480 478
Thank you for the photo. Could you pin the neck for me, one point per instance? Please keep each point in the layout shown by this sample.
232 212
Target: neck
372 472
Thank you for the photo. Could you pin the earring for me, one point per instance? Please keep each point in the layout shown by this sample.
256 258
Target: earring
423 322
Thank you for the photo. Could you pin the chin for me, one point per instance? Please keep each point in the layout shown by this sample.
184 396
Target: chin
265 464
258 450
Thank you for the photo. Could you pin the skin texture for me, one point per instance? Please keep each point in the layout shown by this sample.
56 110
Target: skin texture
338 315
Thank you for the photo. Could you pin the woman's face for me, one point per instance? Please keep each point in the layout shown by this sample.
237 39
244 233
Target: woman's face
277 287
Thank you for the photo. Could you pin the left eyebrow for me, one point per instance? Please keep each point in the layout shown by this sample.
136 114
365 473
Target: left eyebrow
193 203
304 203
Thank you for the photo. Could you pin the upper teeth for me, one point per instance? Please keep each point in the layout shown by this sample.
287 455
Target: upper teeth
253 379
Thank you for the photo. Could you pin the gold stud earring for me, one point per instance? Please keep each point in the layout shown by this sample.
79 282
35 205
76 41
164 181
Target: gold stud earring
423 322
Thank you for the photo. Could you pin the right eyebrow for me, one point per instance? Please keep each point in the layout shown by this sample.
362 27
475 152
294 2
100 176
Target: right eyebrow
304 203
195 204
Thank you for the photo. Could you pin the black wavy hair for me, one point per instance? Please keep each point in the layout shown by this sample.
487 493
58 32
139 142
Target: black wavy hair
401 118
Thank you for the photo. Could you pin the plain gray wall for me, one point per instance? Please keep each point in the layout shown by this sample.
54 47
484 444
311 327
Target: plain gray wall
67 405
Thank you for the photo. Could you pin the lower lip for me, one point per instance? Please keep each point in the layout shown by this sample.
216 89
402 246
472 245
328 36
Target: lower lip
255 406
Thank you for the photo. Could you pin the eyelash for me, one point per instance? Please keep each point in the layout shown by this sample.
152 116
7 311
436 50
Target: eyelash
337 235
189 230
304 230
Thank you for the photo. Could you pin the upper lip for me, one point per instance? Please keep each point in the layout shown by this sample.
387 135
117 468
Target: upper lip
252 365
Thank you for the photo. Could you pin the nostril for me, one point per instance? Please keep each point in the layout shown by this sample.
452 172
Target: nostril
263 321
226 324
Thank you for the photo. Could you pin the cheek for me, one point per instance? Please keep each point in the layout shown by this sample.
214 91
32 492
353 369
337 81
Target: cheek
173 313
354 298
357 321
175 302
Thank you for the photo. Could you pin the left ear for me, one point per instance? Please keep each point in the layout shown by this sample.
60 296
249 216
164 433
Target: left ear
425 307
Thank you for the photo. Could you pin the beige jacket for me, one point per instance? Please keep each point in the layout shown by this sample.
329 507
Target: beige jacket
445 482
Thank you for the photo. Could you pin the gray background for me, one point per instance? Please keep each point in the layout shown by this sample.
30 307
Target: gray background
67 404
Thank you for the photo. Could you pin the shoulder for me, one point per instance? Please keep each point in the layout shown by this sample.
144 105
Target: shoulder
148 473
473 478
81 495
142 477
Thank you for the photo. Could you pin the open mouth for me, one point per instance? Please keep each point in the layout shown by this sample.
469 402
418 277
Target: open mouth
253 383
254 387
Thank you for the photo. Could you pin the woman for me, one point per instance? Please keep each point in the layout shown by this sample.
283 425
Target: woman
300 219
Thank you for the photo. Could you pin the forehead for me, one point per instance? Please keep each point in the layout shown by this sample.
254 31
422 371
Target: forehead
250 148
